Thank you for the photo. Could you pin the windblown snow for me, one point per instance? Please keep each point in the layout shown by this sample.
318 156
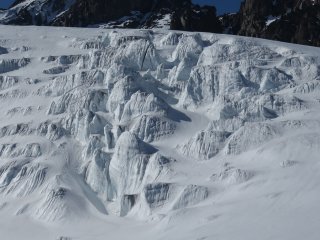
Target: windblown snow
152 134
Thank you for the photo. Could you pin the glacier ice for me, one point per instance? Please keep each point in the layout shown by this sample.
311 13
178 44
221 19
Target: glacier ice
102 123
8 65
232 175
190 195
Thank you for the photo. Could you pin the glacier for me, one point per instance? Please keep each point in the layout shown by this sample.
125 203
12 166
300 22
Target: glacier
155 134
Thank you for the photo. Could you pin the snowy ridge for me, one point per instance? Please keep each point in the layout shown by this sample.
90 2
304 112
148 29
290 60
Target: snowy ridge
35 12
171 131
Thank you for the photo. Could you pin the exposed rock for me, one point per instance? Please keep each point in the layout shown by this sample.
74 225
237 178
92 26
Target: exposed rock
293 21
178 14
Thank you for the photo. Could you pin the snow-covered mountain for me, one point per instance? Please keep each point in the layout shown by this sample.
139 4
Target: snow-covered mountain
294 21
154 134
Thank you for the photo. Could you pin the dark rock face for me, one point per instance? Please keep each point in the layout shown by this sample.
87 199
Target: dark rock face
89 12
15 3
252 16
35 12
195 18
299 26
115 13
230 23
296 21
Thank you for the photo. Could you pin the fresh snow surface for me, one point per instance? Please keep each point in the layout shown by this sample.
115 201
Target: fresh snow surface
139 134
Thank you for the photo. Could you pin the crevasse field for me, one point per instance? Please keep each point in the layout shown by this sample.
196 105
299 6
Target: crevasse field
138 134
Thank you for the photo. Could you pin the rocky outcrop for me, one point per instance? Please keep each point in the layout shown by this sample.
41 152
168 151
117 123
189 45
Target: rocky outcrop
177 14
195 18
295 21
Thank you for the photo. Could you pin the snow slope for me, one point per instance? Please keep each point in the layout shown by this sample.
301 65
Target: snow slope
157 135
